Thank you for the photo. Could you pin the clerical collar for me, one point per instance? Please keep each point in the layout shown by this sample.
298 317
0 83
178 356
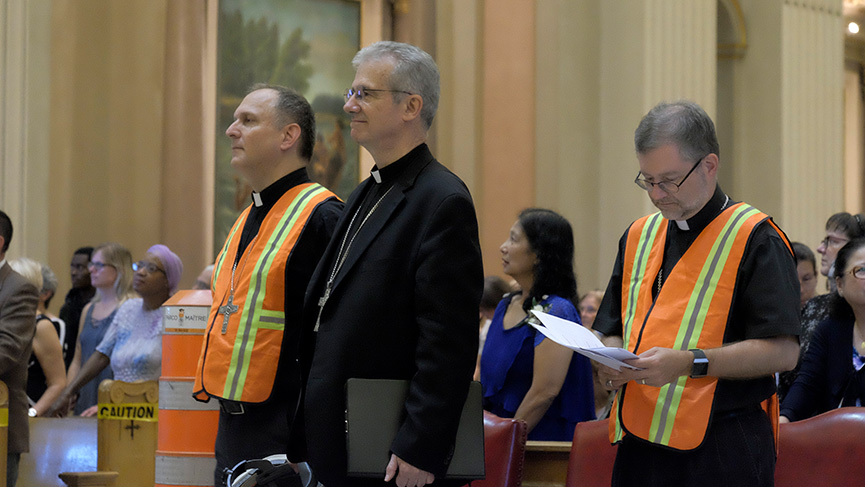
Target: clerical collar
271 194
3 262
389 173
713 208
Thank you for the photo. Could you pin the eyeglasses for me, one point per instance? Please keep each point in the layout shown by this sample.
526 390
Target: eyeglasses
665 186
858 272
833 241
98 265
150 267
360 93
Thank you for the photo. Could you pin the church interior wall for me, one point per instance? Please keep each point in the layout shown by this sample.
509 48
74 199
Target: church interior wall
539 103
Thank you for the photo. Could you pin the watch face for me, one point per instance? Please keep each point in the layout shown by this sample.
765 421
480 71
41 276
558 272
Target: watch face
700 367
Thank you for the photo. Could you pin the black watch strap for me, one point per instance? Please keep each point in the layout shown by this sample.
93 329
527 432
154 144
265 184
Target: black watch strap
700 367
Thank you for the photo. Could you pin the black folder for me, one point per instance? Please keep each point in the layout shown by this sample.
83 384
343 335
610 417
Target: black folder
374 412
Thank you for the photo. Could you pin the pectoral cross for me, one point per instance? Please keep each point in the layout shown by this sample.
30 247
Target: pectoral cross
321 302
227 310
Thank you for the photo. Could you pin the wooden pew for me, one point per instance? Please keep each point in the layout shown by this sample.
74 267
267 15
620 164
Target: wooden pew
58 445
546 463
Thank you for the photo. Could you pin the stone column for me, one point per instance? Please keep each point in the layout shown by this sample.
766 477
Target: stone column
24 117
788 114
651 51
812 141
188 125
507 173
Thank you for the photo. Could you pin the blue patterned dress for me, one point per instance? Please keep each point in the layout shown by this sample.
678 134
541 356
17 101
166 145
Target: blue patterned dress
507 363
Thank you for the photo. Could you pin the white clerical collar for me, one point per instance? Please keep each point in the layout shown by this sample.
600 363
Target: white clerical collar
256 199
2 262
683 224
376 174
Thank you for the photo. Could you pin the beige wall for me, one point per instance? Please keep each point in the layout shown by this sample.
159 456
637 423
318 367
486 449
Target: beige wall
24 147
567 151
539 103
130 148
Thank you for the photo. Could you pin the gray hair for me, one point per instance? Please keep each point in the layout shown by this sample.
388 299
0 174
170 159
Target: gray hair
49 280
682 123
414 71
28 268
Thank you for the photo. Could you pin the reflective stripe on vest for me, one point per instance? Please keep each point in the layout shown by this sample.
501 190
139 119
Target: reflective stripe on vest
690 311
240 364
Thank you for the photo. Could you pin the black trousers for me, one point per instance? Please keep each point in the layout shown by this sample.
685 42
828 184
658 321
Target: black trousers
739 450
260 431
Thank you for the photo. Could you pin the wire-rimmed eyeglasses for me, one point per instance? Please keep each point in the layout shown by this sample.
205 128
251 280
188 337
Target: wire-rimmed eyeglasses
858 272
150 267
360 93
665 186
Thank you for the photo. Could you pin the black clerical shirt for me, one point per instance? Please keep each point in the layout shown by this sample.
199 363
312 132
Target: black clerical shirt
765 301
386 178
306 253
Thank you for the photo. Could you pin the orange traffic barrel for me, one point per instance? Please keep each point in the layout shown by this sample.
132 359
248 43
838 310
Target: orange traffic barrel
187 428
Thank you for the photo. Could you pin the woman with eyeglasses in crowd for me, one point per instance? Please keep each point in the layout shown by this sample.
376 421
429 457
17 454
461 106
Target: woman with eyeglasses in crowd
111 275
832 374
840 229
133 343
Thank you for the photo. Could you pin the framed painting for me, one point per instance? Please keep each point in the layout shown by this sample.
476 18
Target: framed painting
306 45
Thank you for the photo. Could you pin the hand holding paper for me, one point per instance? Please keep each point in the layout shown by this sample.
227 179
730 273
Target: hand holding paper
581 340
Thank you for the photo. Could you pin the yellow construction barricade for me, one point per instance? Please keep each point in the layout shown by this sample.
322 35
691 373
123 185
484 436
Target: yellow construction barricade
128 415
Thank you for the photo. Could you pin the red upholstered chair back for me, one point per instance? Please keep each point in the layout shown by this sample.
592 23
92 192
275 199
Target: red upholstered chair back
504 451
592 456
828 449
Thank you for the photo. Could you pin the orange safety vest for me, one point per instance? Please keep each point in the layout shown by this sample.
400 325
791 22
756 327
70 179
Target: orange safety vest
690 311
240 352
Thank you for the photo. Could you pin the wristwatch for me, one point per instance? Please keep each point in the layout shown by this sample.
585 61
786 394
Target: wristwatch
700 367
32 412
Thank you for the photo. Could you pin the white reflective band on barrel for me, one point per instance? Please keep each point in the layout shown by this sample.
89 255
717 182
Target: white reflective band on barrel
177 395
184 470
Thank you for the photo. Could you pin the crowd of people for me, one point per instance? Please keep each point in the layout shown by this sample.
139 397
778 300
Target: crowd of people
310 291
120 324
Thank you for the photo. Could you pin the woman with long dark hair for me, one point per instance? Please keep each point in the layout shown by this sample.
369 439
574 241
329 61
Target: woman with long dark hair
833 370
524 374
840 229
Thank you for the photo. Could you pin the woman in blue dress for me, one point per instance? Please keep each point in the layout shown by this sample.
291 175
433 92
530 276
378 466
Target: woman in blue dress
110 275
524 374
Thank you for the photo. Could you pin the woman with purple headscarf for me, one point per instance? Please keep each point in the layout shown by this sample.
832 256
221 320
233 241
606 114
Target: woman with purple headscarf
133 343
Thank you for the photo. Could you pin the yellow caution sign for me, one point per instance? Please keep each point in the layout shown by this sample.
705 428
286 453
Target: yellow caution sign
127 411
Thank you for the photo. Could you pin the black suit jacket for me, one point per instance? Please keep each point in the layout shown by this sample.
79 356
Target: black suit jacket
18 300
403 306
826 379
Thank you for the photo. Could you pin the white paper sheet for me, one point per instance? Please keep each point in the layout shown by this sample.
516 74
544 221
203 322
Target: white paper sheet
581 340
